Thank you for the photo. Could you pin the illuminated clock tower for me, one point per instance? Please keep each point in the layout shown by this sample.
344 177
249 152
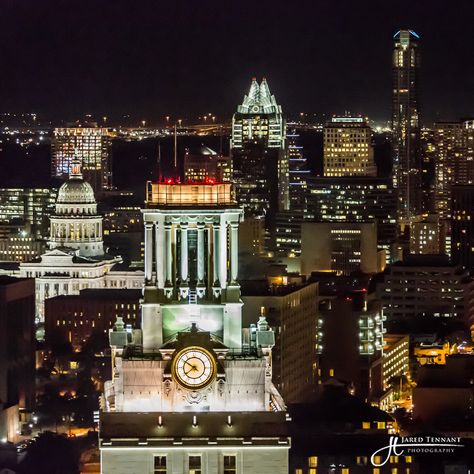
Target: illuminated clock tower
191 391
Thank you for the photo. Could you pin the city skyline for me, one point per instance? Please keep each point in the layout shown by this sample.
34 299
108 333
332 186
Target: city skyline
153 61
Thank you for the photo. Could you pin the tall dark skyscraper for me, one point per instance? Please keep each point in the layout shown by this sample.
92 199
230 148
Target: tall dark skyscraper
407 164
259 154
462 243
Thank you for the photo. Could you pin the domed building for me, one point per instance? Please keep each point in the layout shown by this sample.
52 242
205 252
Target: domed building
76 259
76 224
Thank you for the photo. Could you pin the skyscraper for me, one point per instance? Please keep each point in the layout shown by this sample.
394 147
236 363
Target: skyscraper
348 148
453 159
298 170
259 155
91 144
407 163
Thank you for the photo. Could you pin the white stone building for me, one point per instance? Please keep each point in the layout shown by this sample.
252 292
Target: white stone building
191 392
76 259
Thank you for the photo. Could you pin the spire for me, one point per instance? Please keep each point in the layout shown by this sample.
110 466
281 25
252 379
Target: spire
254 90
264 90
76 168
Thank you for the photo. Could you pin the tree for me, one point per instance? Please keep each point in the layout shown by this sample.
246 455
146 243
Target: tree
51 454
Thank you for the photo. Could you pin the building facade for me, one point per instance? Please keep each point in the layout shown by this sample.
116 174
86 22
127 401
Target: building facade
29 206
348 149
91 145
292 311
462 226
259 154
76 259
17 352
406 143
453 160
189 392
427 286
75 318
340 247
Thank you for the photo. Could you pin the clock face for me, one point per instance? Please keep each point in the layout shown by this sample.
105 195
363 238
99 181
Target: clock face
255 108
194 367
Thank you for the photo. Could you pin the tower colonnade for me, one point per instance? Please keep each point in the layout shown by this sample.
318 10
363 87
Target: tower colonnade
191 252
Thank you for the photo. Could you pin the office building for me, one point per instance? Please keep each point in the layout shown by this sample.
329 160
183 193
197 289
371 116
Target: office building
28 206
76 259
406 143
291 309
396 358
205 164
298 170
355 199
462 226
91 145
20 247
17 352
341 247
427 286
192 391
348 149
427 235
350 338
259 154
75 318
453 159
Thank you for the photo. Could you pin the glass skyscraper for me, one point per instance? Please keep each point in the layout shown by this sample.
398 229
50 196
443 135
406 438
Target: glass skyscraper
407 164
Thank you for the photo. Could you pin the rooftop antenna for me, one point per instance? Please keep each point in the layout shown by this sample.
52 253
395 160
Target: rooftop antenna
159 161
175 149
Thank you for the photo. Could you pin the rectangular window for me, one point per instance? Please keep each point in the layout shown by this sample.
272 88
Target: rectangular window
194 464
313 461
230 464
160 464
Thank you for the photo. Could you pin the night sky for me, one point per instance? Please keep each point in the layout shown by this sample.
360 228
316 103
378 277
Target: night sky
151 58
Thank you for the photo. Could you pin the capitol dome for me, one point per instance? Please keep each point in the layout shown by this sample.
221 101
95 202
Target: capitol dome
76 190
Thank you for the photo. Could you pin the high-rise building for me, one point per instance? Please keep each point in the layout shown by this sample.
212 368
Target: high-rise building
206 165
462 226
350 338
259 154
32 206
453 159
355 199
341 247
298 170
192 391
291 309
348 149
91 145
407 162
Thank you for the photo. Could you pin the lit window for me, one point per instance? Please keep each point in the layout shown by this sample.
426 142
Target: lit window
313 461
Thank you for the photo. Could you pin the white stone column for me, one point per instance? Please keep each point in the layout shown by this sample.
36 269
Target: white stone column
200 253
184 253
148 253
160 254
215 253
223 254
234 252
169 255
